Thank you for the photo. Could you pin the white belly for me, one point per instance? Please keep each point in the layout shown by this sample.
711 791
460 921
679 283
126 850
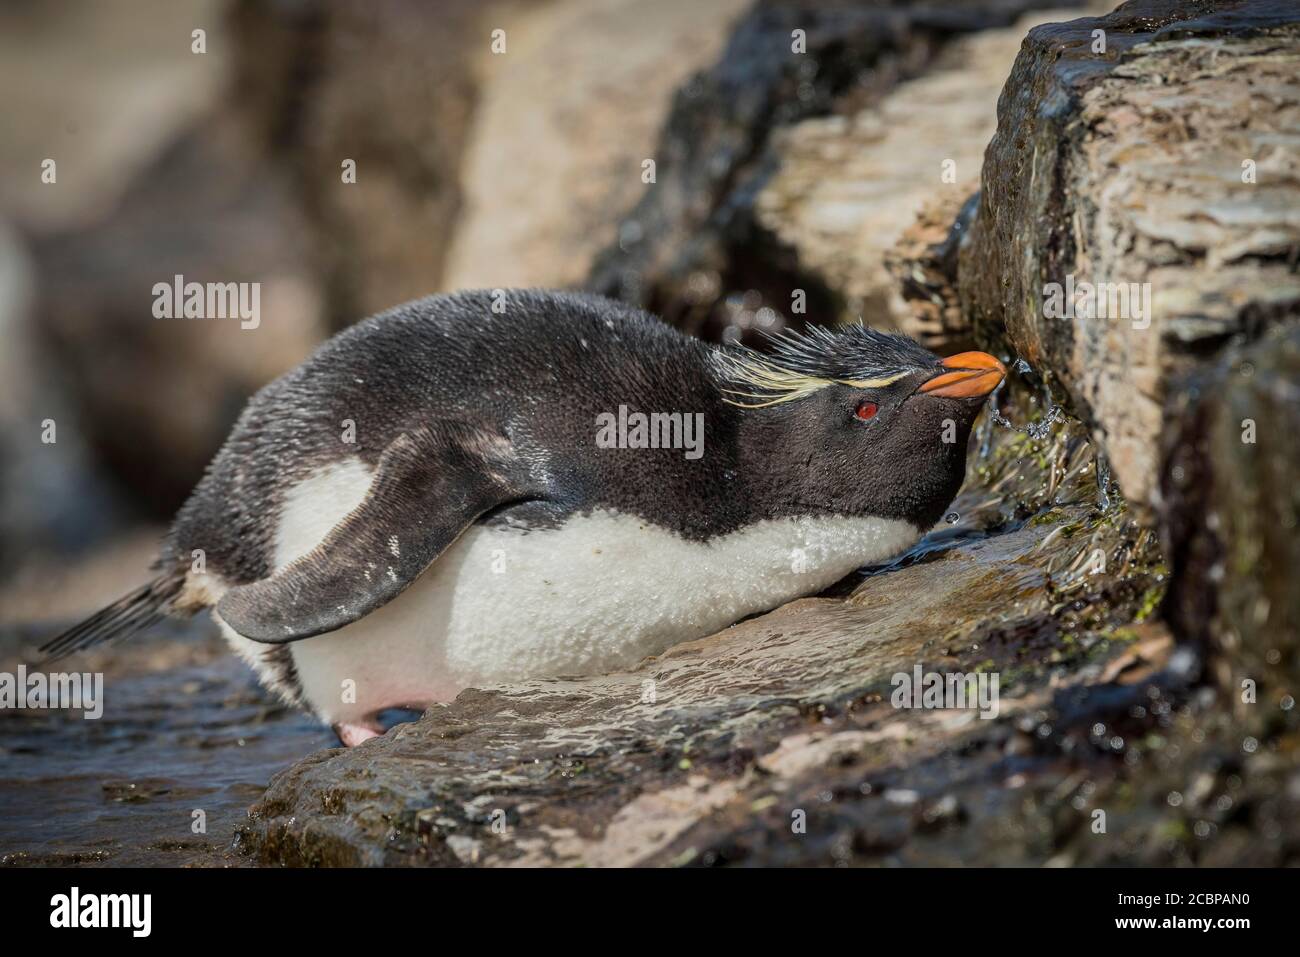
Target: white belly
597 594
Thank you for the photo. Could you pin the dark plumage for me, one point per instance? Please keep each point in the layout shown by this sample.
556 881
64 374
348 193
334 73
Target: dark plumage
847 352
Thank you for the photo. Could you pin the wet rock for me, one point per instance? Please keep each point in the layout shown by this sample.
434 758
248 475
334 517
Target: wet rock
1121 157
1133 166
717 244
1232 513
185 743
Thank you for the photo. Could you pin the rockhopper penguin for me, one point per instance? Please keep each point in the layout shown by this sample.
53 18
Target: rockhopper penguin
436 498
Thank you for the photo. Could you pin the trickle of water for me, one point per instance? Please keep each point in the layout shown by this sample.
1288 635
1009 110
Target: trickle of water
984 431
1035 430
985 428
1103 481
984 434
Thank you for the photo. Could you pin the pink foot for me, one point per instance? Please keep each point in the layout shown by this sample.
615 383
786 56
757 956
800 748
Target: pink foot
353 734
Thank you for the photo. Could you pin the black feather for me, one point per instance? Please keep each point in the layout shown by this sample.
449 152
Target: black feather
847 352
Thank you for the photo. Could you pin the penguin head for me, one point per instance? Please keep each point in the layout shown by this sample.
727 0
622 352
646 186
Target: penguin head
857 421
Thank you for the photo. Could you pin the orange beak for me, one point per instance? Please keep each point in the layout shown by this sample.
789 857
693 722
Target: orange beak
973 375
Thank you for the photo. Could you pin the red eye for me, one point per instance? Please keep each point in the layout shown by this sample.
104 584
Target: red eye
867 410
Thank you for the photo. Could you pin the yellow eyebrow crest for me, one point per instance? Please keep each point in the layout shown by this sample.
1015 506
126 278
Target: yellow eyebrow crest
872 383
776 384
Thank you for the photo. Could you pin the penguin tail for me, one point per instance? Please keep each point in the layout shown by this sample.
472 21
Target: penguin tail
129 615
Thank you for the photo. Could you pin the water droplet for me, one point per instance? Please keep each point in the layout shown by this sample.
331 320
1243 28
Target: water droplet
1043 427
952 518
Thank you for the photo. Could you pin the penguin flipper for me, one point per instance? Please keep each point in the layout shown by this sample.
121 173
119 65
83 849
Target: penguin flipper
431 484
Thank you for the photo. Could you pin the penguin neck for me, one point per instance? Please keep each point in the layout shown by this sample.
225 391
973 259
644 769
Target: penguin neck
779 480
790 501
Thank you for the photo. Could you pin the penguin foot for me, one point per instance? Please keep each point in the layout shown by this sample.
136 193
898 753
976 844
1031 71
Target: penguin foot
352 734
